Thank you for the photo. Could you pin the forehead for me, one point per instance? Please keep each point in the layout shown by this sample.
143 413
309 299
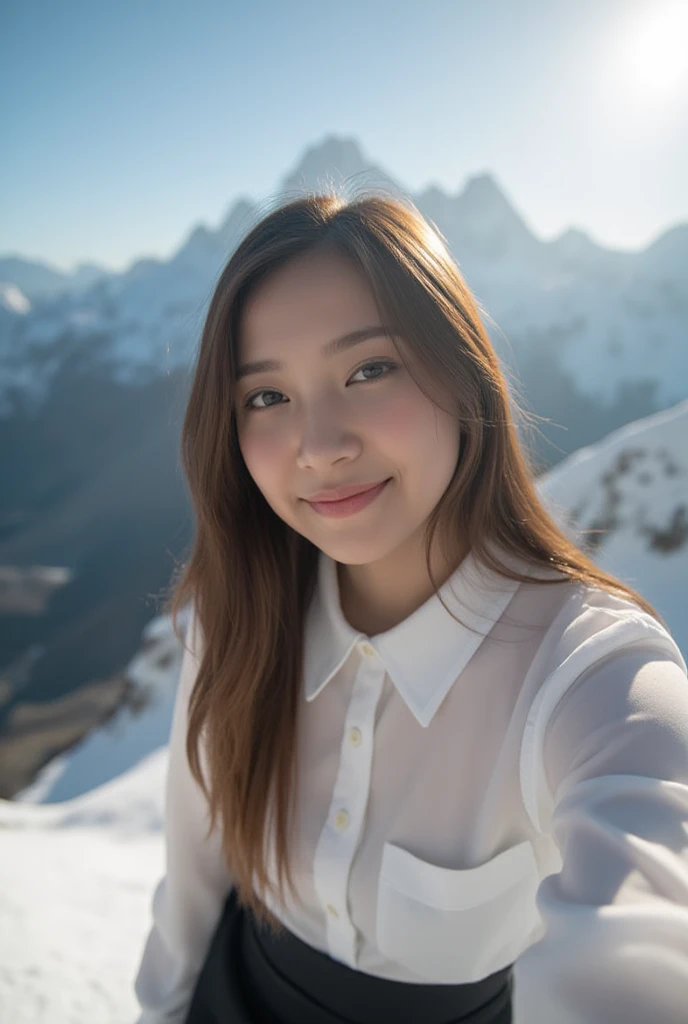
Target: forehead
314 296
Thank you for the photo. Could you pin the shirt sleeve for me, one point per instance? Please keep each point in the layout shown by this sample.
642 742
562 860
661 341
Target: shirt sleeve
188 900
614 947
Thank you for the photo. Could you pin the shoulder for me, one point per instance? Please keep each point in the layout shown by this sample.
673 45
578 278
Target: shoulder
591 627
591 624
599 648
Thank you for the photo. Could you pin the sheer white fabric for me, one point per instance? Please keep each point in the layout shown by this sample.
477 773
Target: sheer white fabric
469 801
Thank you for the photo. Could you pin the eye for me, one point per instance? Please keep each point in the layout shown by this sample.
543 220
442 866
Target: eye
387 365
248 404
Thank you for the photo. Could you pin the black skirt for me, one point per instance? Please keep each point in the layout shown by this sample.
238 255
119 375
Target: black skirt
251 976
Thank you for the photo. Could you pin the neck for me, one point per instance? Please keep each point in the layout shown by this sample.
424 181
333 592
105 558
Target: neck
379 595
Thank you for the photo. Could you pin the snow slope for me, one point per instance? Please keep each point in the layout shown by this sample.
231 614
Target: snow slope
633 487
130 735
77 880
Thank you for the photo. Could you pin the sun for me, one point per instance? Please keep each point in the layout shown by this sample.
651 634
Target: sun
652 53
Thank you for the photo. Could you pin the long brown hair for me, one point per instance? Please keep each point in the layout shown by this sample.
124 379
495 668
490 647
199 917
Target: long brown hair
250 576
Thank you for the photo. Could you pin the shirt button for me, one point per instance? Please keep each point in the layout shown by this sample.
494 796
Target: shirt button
368 649
355 737
332 911
341 820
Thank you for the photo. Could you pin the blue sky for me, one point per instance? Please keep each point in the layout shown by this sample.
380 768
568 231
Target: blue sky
126 123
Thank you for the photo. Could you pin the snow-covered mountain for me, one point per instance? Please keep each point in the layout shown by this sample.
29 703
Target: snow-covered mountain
625 500
138 325
611 319
13 300
140 727
37 280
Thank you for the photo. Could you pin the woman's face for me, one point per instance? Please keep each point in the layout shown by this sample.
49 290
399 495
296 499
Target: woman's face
321 420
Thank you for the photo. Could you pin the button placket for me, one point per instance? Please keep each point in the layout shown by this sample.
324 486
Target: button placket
341 833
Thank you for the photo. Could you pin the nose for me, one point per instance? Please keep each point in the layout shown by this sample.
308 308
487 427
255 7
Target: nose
327 435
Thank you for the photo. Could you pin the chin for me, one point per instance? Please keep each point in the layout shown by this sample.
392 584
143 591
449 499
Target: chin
356 552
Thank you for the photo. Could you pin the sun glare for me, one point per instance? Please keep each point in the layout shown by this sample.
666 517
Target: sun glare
653 51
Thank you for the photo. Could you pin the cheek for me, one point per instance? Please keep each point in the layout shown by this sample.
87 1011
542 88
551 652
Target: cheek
263 454
397 423
413 425
437 433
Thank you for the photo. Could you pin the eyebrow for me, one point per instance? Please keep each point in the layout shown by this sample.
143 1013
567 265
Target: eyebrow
330 348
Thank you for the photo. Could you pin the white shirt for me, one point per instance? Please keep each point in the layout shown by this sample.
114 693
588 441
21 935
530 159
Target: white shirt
467 802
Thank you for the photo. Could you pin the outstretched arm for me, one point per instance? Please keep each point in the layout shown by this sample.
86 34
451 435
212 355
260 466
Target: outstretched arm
615 761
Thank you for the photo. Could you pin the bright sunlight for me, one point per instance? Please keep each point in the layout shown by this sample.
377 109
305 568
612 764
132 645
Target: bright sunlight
653 50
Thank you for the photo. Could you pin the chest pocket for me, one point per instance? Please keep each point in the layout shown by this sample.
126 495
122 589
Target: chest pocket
456 927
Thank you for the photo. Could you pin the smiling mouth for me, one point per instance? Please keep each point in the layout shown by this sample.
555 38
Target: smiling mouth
345 497
351 504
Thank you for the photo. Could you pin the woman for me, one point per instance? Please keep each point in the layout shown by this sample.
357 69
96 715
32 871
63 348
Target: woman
428 762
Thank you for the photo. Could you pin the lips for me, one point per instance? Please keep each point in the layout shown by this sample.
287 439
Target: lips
349 506
339 493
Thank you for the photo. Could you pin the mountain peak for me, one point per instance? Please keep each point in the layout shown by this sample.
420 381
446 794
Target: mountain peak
487 224
575 244
333 162
483 192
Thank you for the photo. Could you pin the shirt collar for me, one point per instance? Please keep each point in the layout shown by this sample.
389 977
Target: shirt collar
426 652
